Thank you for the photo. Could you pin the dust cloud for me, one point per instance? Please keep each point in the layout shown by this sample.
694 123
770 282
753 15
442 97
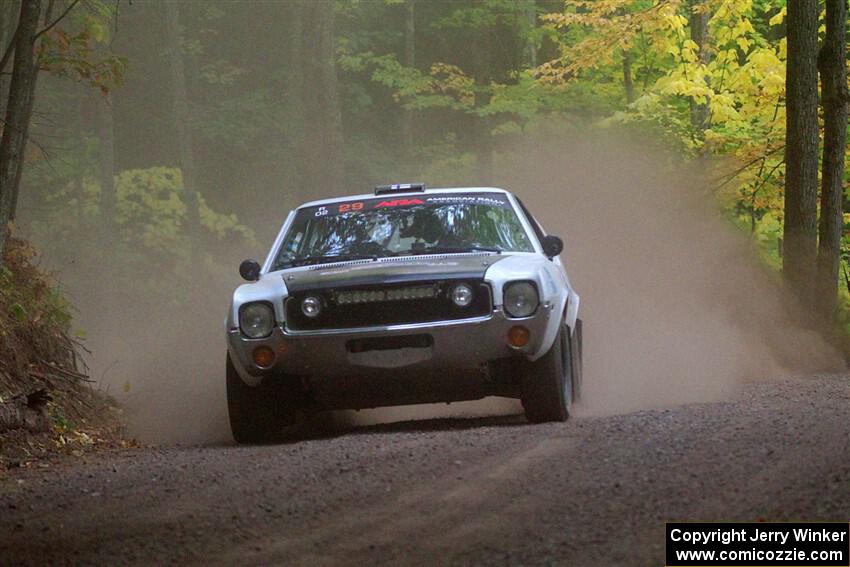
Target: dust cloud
676 308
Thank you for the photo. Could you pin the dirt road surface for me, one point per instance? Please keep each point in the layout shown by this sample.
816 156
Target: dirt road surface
593 491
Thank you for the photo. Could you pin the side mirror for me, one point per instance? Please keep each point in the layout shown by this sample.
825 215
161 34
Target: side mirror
552 245
249 270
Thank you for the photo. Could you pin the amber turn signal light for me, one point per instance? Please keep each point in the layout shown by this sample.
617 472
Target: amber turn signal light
263 356
518 336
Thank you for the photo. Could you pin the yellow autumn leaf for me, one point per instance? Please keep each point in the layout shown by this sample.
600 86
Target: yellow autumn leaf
779 17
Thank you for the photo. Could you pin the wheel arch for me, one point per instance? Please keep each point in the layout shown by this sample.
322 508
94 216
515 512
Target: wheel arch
243 374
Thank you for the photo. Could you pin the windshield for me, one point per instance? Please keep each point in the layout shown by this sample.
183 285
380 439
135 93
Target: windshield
392 226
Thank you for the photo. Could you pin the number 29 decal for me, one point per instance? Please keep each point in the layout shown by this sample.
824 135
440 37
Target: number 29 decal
346 207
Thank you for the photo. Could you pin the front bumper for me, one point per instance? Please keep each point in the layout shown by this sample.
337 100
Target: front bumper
453 345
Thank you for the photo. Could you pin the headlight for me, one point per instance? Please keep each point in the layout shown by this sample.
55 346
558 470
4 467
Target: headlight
311 306
521 299
461 295
256 320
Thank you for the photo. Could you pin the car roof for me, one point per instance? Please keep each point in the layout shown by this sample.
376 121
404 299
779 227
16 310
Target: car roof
430 191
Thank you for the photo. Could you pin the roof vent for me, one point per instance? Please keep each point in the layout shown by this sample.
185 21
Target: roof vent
400 188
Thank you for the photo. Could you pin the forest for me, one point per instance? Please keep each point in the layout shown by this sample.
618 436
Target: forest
148 145
680 317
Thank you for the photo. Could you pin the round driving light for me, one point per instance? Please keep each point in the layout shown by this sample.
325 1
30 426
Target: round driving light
518 336
521 299
311 306
256 320
263 356
461 295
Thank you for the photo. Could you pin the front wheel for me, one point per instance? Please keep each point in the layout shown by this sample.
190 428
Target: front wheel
258 414
547 385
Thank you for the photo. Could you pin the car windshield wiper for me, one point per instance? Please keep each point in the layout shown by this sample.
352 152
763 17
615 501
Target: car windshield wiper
450 250
312 260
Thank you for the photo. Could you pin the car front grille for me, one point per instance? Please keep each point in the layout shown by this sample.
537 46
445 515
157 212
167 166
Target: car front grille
379 306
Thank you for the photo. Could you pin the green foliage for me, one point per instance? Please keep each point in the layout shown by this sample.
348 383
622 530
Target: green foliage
151 214
79 48
239 119
59 418
151 210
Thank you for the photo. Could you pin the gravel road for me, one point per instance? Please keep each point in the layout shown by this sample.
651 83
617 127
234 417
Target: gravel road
593 491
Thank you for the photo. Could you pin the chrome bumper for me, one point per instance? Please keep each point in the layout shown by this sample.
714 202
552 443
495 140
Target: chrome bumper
464 344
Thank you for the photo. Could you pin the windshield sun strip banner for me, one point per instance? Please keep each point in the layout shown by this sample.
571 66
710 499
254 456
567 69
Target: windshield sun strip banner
387 202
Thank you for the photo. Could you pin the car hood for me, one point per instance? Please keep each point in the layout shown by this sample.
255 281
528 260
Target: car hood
391 271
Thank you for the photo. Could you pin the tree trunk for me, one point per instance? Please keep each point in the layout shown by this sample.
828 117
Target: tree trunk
48 18
323 138
107 231
10 12
409 61
296 95
530 46
79 193
182 119
329 96
801 147
833 71
18 110
7 21
106 138
25 411
698 22
628 83
483 131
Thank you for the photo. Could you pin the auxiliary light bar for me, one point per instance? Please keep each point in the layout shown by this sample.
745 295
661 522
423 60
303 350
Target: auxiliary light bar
395 294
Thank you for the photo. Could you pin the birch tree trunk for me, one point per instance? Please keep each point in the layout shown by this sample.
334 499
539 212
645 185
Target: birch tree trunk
29 412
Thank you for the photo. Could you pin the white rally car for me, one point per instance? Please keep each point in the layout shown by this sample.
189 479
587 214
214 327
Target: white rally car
408 295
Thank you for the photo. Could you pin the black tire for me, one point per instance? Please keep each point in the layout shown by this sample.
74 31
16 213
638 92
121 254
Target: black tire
258 414
576 357
547 388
